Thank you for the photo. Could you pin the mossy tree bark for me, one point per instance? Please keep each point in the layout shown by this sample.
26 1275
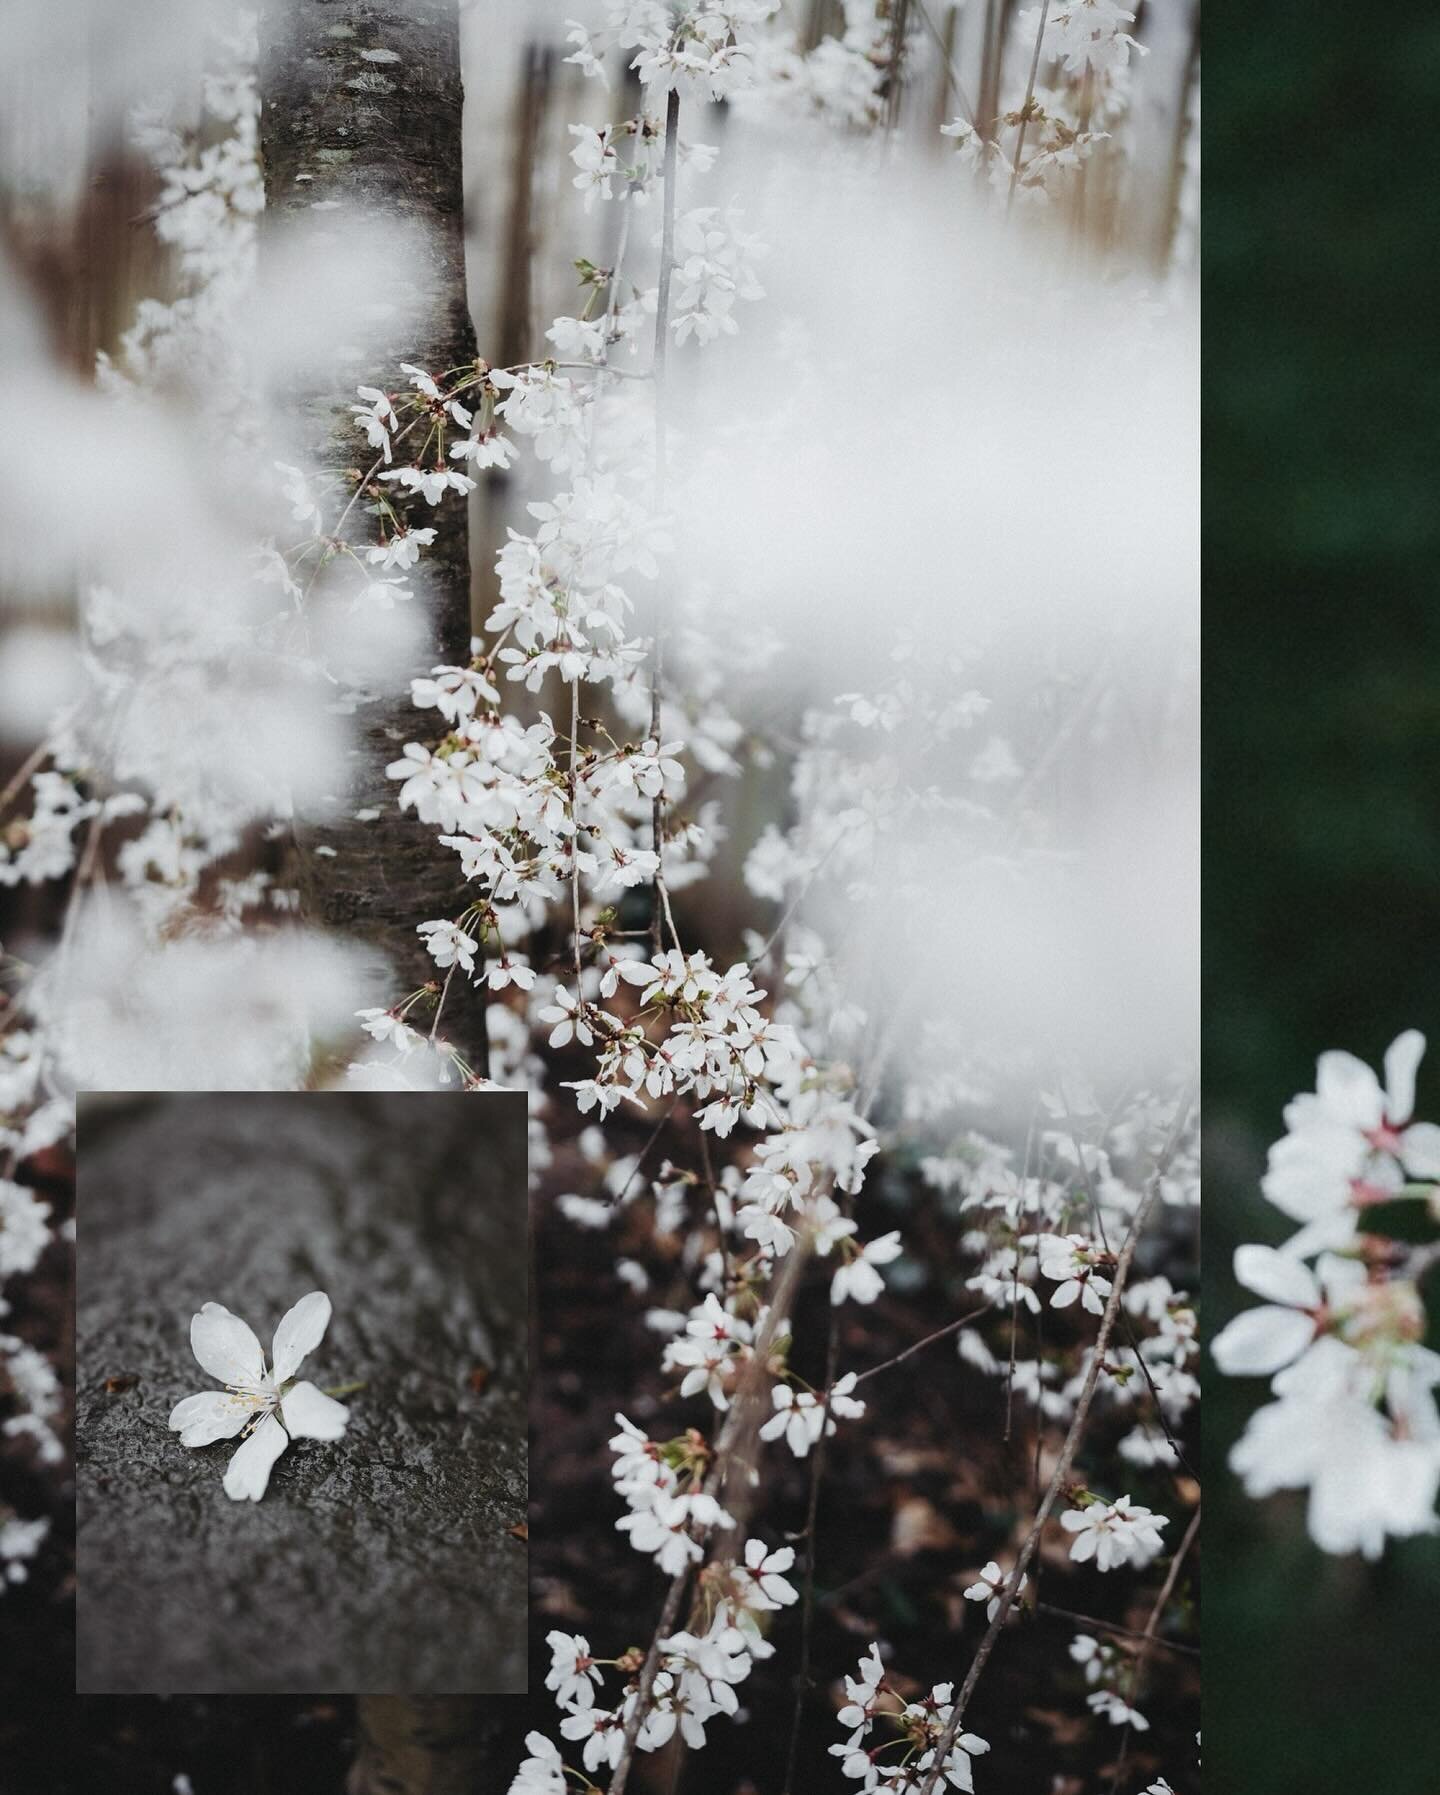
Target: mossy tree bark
361 115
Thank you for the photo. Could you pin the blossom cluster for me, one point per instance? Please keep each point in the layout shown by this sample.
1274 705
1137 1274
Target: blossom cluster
879 1722
1077 109
1346 1331
698 1670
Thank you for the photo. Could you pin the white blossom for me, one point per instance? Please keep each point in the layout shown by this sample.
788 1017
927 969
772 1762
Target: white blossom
267 1407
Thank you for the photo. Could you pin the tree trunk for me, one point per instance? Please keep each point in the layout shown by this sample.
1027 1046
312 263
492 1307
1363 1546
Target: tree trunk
431 1745
362 106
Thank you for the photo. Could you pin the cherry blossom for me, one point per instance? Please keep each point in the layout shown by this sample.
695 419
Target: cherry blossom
1113 1533
1354 1418
1351 1141
267 1408
543 1772
573 1674
989 1587
801 1416
1070 1260
858 1279
1263 1340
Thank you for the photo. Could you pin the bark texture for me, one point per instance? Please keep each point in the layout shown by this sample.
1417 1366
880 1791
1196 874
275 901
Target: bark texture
361 118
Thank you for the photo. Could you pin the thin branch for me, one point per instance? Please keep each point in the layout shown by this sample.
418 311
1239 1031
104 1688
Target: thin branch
1067 1453
27 768
807 1594
1110 1626
644 1154
753 1375
661 911
951 1327
1029 102
952 76
1148 1640
440 1006
575 828
798 898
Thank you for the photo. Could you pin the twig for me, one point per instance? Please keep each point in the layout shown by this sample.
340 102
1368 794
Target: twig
950 1327
807 1595
644 1154
440 1006
1020 1212
1029 102
1067 1457
951 75
30 765
1110 1626
1148 1640
662 330
754 1372
664 1627
575 827
798 898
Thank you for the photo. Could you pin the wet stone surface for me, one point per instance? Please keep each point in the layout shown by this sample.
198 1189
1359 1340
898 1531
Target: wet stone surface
383 1562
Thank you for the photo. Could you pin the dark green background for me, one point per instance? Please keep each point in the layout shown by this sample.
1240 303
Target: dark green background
1322 788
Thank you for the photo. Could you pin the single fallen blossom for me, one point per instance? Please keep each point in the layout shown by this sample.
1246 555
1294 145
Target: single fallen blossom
267 1408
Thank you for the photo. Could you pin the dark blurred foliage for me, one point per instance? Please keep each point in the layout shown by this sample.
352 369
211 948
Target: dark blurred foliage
136 1745
1322 788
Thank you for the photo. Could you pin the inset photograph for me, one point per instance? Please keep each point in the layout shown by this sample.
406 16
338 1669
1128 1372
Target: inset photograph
301 1412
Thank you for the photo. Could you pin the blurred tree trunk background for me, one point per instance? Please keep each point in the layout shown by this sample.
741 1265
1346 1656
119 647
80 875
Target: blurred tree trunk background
362 115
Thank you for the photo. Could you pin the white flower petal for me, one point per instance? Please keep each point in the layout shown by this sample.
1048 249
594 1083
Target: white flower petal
1328 1233
1261 1341
1276 1276
1402 1057
248 1472
213 1415
1310 1170
1339 1277
226 1347
1420 1150
309 1414
300 1331
1349 1090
